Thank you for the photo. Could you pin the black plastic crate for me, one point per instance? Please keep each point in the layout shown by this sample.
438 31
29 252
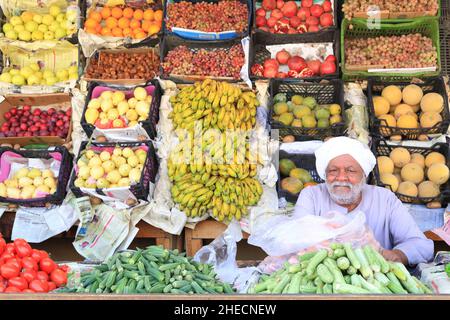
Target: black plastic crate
324 93
149 125
171 42
243 34
141 189
444 36
300 37
378 127
258 52
304 161
380 147
62 179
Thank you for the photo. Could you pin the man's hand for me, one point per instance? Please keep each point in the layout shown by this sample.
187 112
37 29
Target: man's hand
395 255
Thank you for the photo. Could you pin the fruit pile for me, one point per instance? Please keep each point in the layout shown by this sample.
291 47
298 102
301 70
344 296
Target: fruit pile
203 62
208 16
113 110
286 17
28 183
123 65
27 122
422 6
405 51
219 172
30 26
27 270
298 66
118 167
32 74
296 179
407 108
305 112
413 174
124 22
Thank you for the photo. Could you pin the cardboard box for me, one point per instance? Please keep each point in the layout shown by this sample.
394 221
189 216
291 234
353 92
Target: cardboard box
44 101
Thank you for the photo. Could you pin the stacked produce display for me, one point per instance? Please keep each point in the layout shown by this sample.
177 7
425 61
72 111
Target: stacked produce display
100 95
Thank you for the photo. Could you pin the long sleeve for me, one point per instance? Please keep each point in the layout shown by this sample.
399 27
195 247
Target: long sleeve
305 203
407 237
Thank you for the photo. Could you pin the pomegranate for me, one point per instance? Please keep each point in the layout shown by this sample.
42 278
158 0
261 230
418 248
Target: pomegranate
270 72
312 21
280 4
282 26
266 29
292 74
292 31
314 65
271 63
282 75
326 20
326 5
331 58
313 28
261 21
303 13
269 4
307 3
302 28
271 22
306 73
295 22
297 63
289 9
260 12
316 10
283 56
277 14
328 67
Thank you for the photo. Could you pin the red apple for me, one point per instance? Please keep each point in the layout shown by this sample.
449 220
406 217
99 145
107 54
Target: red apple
269 4
314 65
261 21
271 63
297 63
326 20
307 3
260 12
271 22
26 108
283 56
289 9
326 5
312 21
7 115
295 22
277 14
13 111
316 10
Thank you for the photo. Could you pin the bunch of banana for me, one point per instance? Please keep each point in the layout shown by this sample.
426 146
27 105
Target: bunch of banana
214 104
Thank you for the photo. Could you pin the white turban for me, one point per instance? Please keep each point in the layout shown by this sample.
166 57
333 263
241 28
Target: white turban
339 146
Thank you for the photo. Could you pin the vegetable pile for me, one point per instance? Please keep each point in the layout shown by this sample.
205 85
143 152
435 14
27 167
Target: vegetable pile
27 270
341 270
152 270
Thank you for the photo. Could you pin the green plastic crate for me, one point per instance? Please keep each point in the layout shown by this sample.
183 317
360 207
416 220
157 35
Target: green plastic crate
425 26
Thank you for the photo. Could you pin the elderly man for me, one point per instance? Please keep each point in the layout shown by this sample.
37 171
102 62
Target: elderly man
344 164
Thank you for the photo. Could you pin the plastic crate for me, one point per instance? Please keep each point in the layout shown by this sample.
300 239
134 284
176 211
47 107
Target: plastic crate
324 93
171 42
300 37
304 161
424 26
258 52
149 125
63 177
208 36
382 148
140 190
444 35
380 127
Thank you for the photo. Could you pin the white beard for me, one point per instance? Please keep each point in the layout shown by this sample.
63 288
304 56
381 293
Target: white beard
349 197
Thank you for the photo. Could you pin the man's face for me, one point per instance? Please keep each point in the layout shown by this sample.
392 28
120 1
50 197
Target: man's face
344 179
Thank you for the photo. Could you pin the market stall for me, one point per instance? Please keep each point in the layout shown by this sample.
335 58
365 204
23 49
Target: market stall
193 127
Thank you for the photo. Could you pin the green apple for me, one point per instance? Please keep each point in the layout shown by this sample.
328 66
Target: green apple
37 35
37 18
60 33
31 26
53 26
47 74
34 66
15 20
19 28
18 80
11 34
25 35
5 77
43 28
47 19
54 10
51 81
33 80
49 35
26 72
7 27
62 75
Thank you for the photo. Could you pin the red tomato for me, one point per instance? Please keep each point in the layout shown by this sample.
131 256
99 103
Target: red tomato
16 262
23 250
9 271
18 282
36 255
10 248
20 241
43 254
59 277
64 268
51 286
2 245
30 263
12 289
41 275
28 291
28 274
39 286
7 256
2 288
47 265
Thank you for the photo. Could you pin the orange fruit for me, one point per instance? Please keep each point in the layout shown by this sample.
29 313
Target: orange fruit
91 30
140 35
90 23
111 22
116 12
117 32
155 27
158 15
95 15
137 30
123 23
105 12
128 13
146 24
106 32
134 24
98 28
149 14
138 14
127 32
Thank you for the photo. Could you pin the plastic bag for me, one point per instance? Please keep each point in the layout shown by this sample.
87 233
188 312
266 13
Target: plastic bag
283 238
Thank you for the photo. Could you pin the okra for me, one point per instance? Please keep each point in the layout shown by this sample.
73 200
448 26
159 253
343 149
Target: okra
396 288
307 289
373 261
168 288
344 288
314 262
365 270
294 287
383 263
324 274
157 288
335 271
197 288
352 256
283 283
